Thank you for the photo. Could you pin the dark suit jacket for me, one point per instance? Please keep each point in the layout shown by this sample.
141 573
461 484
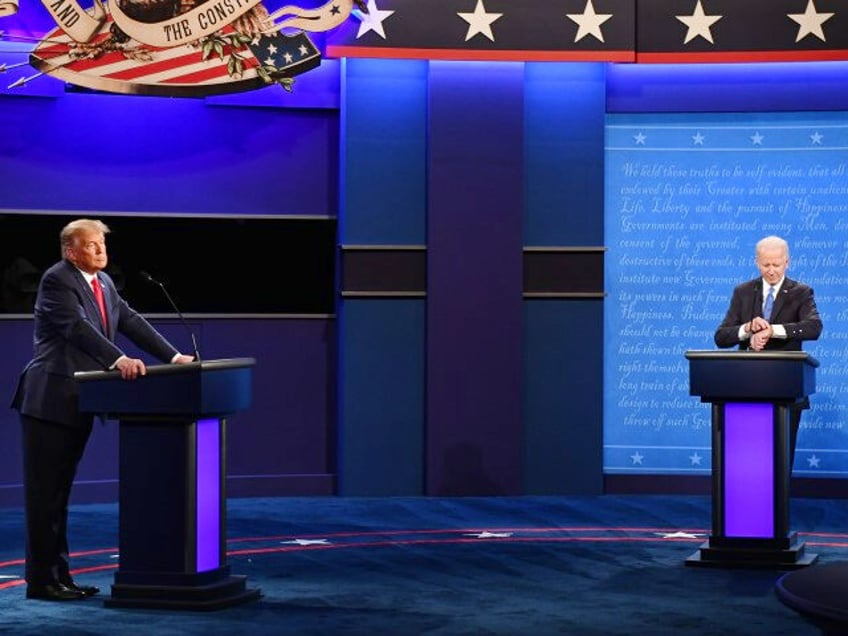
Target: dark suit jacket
69 337
794 308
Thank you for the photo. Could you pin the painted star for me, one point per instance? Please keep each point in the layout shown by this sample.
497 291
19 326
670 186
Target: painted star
479 22
490 535
757 139
637 458
698 139
810 22
640 138
373 20
695 459
813 461
306 542
589 22
698 24
816 138
678 535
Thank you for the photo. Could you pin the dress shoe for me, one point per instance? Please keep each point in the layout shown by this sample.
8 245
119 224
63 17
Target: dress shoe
53 592
85 590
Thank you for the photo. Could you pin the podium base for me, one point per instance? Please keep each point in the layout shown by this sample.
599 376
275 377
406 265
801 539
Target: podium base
224 593
751 556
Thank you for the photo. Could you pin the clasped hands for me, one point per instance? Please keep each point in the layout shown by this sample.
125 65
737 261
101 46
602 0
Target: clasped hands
761 331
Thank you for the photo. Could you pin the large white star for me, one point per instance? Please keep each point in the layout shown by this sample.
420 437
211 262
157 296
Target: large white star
678 535
698 24
479 21
373 20
306 542
589 22
810 22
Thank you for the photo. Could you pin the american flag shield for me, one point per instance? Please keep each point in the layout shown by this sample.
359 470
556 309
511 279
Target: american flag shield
227 62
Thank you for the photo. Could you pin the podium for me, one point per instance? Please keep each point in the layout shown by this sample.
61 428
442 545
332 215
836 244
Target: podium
172 492
751 393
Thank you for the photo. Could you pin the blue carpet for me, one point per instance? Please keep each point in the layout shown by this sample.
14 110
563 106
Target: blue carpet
446 566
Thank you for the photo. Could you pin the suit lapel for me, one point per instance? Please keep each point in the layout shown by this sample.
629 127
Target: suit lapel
781 299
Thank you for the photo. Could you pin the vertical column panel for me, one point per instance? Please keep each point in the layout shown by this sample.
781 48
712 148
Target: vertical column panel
563 201
381 350
474 279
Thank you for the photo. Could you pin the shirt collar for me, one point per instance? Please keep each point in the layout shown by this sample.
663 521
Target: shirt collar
777 286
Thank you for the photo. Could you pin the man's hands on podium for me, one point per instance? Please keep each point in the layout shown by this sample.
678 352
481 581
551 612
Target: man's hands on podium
131 368
761 331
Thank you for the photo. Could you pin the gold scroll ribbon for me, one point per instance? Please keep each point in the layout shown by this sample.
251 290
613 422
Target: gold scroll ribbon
8 7
201 21
79 24
324 18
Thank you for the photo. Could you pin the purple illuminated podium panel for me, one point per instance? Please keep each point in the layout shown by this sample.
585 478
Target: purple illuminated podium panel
172 493
751 394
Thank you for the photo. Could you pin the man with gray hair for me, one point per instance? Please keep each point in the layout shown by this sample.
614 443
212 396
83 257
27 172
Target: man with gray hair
772 313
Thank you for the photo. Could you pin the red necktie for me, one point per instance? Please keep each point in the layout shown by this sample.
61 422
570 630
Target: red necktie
98 296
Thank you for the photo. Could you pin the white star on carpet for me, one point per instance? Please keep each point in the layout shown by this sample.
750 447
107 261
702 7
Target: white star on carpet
698 24
306 542
678 535
490 535
589 22
373 20
479 22
810 22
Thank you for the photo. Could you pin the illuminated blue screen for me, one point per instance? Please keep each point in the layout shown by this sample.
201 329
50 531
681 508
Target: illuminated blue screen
687 197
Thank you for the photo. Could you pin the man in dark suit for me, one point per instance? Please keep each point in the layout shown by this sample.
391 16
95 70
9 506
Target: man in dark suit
772 313
73 332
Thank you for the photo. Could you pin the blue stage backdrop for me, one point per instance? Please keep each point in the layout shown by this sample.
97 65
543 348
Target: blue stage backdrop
687 197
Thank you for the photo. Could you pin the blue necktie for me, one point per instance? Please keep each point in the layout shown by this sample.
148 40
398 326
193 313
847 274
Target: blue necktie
769 304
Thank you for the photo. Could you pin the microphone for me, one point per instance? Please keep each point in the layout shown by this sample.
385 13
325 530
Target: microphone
152 280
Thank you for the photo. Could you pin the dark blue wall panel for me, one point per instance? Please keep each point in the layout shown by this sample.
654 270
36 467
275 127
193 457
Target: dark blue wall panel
117 153
646 88
563 396
381 384
384 152
381 338
564 154
474 279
